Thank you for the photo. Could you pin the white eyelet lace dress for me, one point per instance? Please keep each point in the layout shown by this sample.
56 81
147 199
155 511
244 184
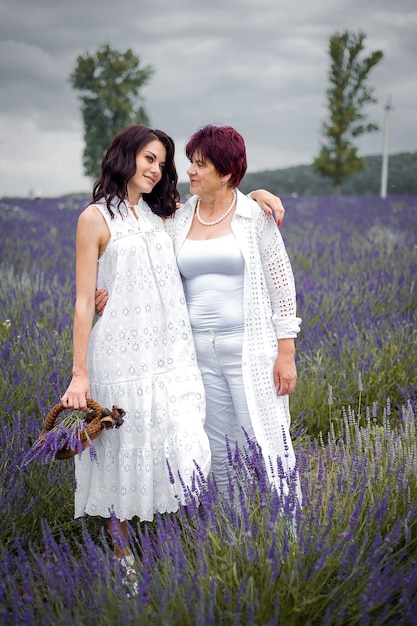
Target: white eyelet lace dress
142 358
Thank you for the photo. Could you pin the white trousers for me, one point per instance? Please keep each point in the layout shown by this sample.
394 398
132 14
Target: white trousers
219 358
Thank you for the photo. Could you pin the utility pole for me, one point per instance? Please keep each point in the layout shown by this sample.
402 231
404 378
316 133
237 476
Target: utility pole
384 171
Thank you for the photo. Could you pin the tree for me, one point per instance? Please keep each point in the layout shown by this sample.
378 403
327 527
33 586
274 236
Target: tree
109 83
347 97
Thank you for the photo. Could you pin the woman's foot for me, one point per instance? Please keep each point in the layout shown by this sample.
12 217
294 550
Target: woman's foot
130 575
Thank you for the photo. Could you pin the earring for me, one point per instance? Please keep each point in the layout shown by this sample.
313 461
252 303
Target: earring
223 183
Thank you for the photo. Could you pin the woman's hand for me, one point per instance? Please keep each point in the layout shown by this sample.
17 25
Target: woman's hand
100 301
269 203
285 371
77 393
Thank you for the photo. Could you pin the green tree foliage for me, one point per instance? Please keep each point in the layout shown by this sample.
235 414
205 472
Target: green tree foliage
109 83
347 97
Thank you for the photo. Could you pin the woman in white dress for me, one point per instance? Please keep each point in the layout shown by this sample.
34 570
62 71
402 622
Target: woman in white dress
140 354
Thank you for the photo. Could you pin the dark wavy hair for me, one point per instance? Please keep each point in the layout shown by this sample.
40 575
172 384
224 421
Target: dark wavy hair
119 165
224 147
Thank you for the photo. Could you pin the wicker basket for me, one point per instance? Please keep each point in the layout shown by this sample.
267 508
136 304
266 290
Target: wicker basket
97 418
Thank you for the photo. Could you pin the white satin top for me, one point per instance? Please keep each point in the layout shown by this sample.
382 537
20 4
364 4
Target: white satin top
212 271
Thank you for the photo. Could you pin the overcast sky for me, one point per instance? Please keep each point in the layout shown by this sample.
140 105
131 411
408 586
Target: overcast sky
258 65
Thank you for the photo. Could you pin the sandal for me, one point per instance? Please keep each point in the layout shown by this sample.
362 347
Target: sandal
130 576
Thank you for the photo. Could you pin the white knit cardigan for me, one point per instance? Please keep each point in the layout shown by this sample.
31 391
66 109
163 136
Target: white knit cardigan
269 315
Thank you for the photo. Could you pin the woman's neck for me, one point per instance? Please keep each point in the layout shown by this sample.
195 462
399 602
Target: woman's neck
215 203
133 199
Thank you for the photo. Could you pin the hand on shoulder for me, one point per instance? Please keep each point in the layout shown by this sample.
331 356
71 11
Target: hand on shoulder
269 203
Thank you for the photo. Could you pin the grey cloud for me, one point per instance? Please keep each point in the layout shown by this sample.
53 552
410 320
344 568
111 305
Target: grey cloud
260 66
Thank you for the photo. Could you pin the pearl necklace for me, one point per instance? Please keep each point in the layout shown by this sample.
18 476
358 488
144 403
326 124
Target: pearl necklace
197 211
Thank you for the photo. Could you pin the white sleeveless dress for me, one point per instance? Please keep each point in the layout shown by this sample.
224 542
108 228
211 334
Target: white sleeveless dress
142 358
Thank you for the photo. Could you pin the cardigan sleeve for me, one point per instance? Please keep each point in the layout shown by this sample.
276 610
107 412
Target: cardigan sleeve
278 274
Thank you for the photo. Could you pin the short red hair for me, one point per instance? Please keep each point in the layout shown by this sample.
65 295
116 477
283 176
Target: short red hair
224 147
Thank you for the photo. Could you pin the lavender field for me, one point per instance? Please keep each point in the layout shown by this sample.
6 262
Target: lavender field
354 558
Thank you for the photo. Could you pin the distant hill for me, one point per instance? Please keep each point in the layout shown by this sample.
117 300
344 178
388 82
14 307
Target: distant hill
302 181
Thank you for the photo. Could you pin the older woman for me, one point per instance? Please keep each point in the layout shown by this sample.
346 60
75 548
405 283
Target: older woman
241 299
